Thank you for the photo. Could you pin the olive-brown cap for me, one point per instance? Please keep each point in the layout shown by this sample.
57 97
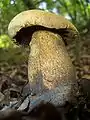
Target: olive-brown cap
32 20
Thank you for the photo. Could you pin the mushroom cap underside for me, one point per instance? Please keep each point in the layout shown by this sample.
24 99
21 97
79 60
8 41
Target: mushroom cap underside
41 20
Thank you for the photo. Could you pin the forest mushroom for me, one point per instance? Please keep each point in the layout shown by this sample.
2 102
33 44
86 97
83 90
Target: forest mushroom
49 65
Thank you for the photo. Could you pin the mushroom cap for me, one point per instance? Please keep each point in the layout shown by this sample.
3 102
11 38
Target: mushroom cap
46 20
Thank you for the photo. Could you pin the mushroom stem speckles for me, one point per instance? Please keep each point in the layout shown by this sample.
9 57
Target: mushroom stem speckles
49 64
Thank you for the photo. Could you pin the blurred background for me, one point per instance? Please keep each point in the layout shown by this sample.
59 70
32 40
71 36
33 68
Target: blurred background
13 58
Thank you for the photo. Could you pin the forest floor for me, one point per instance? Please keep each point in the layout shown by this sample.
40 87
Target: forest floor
14 78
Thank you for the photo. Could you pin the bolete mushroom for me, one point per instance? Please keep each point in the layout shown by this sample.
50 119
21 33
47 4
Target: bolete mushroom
49 65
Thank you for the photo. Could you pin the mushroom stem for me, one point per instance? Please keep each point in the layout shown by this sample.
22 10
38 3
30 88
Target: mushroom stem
49 65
